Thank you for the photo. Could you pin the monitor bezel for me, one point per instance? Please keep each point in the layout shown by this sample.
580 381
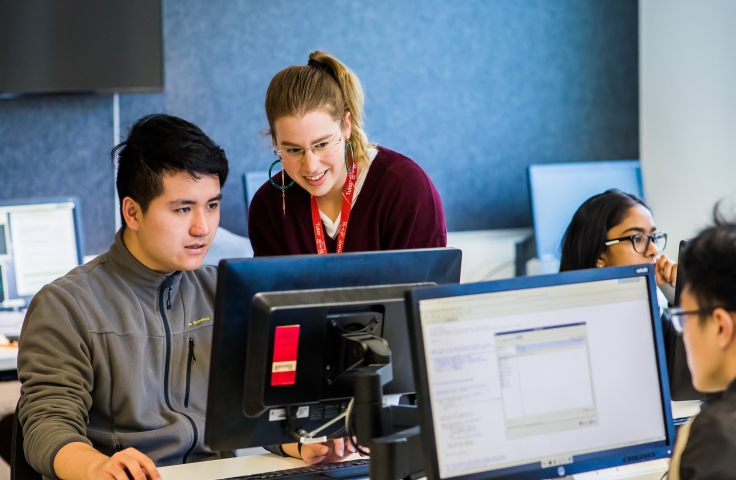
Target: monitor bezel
530 471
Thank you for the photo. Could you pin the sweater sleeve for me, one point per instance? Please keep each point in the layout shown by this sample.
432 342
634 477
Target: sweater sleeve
415 217
265 229
263 233
56 372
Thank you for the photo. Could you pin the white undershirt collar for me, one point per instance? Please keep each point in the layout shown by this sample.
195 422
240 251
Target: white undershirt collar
330 226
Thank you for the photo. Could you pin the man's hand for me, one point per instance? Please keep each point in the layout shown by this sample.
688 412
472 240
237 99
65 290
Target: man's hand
329 452
665 271
80 461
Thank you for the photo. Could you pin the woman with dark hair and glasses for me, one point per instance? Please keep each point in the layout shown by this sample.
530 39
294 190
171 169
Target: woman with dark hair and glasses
615 229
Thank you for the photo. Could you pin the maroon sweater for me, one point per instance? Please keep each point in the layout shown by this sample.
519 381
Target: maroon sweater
397 208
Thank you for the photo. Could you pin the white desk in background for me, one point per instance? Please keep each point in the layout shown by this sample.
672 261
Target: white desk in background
268 462
487 254
8 358
10 325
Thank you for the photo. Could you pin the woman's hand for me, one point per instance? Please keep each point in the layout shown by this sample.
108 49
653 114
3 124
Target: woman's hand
665 271
328 452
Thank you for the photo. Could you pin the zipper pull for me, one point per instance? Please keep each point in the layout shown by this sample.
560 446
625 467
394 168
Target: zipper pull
191 349
168 300
118 445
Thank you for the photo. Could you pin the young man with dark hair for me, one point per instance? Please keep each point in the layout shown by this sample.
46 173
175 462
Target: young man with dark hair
114 356
706 446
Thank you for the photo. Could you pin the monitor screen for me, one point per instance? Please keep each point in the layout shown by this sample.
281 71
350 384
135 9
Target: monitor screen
557 190
40 242
49 46
526 379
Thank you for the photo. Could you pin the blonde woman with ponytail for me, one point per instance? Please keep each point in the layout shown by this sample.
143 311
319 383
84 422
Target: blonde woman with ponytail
336 191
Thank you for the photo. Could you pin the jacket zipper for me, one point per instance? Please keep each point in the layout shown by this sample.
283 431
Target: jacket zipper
167 286
189 370
118 444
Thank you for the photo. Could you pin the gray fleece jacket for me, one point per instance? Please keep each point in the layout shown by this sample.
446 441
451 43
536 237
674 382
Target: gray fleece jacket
116 355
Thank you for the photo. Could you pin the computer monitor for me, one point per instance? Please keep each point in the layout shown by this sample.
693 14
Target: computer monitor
304 347
681 381
557 190
40 241
239 281
541 377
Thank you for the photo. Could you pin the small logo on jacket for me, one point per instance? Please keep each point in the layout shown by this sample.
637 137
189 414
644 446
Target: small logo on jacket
201 320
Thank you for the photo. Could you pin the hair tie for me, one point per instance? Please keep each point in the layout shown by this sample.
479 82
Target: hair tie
316 64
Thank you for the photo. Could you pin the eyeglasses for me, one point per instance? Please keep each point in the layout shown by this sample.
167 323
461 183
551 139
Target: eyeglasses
641 241
321 149
678 315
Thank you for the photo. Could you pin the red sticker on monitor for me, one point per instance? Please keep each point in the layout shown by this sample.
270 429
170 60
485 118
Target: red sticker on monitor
285 347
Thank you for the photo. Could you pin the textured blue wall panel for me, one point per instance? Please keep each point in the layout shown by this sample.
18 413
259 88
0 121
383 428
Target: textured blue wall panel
473 90
58 146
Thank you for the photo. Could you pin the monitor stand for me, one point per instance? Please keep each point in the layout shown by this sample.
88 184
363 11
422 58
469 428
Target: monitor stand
391 432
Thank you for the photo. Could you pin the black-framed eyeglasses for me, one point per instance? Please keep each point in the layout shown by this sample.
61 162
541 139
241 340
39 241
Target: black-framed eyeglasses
641 241
678 315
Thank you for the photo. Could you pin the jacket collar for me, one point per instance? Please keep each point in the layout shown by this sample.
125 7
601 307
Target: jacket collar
141 278
731 391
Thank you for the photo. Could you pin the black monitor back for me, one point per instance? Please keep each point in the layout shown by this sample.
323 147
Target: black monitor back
681 382
240 280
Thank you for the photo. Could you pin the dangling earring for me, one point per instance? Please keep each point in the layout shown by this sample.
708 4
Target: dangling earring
352 157
281 187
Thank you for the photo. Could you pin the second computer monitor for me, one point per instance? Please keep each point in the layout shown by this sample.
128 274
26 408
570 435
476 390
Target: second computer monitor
541 377
239 281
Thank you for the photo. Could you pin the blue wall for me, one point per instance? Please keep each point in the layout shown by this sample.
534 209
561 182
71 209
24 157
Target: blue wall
474 91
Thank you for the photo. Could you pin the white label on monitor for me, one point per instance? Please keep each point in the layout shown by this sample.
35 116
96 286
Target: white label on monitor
541 375
44 247
278 414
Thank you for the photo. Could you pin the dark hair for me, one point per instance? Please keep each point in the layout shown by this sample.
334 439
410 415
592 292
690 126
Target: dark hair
162 144
585 237
708 264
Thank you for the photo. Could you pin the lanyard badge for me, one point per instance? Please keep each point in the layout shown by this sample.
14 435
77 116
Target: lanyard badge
347 202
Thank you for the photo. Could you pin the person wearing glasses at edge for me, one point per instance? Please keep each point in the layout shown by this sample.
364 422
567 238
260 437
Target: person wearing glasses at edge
615 229
706 445
337 192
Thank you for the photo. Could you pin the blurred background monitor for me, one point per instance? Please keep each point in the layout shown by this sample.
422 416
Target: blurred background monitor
49 46
40 241
557 190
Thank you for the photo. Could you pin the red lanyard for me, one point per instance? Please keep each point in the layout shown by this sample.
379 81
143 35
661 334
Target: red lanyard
347 203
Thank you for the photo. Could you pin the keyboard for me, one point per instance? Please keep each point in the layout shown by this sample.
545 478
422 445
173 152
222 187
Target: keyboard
339 470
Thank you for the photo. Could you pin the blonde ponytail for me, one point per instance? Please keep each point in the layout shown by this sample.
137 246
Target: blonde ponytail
325 83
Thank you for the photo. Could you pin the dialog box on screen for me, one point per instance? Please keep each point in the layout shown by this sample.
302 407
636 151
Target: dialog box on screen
546 381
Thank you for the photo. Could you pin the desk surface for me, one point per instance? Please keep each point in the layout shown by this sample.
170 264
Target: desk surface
268 462
232 467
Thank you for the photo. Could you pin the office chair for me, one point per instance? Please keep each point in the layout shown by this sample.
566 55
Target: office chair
19 467
252 181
